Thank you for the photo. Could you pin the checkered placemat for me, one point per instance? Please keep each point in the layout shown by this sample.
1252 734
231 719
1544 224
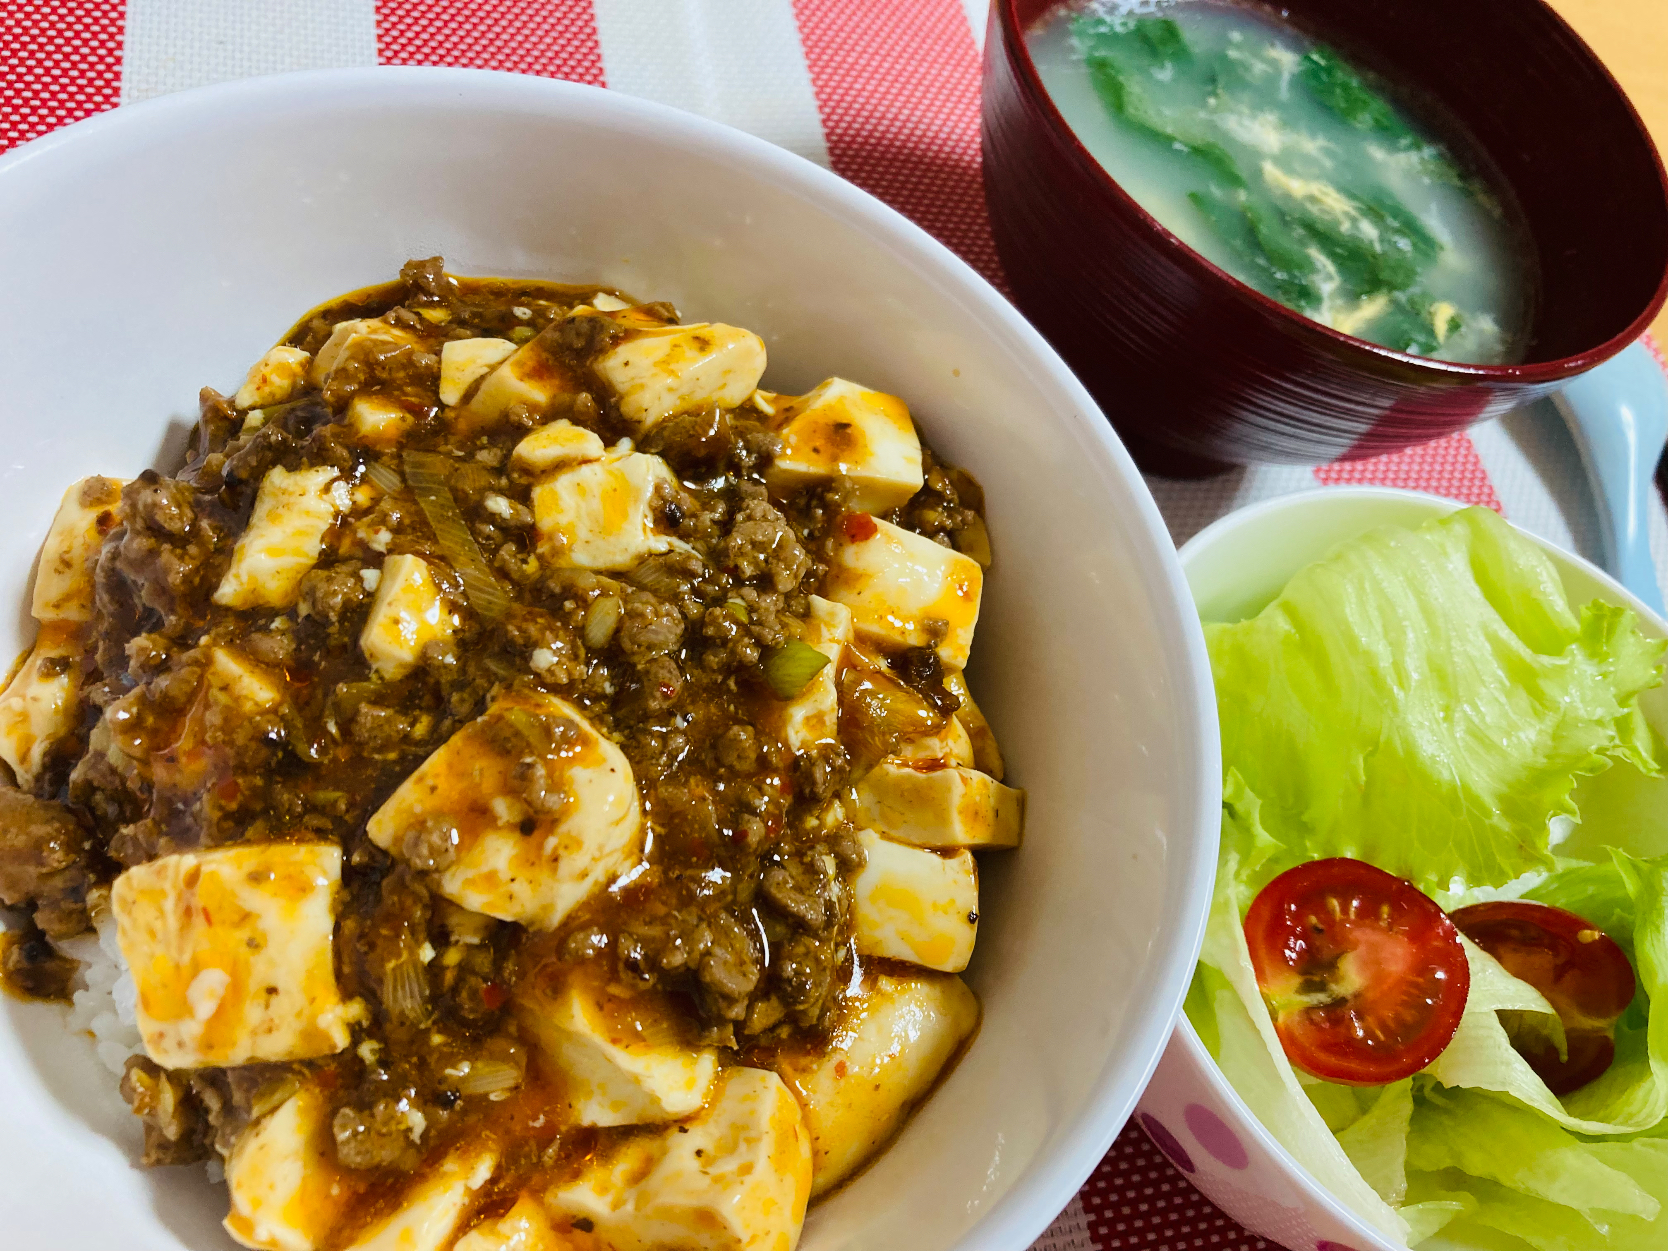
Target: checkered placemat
884 92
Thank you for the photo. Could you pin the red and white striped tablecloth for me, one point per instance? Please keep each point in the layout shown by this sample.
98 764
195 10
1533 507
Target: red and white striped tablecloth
884 92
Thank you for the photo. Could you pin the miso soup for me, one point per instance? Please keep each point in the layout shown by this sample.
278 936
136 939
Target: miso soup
1295 171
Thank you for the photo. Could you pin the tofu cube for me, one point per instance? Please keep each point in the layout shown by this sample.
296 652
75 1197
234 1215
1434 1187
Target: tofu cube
435 1207
604 515
407 615
621 1061
904 590
658 373
378 421
987 755
231 952
916 905
559 445
543 810
355 338
64 576
813 716
38 706
273 378
950 746
624 316
843 430
525 1227
234 679
735 1178
859 1086
287 1192
534 375
463 362
284 537
927 804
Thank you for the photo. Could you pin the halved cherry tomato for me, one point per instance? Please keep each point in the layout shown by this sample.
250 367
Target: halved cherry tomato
1363 974
1584 975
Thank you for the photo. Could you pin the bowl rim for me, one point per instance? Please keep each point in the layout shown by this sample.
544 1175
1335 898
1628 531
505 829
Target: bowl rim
1004 14
1087 1132
1186 1037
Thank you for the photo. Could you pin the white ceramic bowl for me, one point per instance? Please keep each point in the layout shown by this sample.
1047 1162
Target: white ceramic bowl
165 246
1234 568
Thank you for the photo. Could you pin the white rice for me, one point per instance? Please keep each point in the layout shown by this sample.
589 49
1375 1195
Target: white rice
104 998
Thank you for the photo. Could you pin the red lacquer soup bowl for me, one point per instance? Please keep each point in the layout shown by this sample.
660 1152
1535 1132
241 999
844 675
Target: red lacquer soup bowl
1198 370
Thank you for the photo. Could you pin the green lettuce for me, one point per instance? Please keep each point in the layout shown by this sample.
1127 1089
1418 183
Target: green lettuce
1428 700
1425 699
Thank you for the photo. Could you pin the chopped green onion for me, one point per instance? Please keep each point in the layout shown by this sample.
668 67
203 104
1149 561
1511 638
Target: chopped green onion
521 334
384 475
405 989
426 472
486 1076
601 618
790 667
738 610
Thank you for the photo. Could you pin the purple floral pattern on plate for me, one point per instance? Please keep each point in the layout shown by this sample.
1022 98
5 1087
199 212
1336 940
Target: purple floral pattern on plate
1215 1136
1326 1244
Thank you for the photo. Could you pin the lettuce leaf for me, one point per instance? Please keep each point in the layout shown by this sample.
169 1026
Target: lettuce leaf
1537 1184
1504 1142
1425 700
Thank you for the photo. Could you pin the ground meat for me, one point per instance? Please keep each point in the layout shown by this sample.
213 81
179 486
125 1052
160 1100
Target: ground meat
803 973
431 846
738 749
44 862
662 683
381 730
428 277
30 964
375 1137
800 891
695 444
761 544
730 969
649 627
275 647
166 549
819 771
177 1130
332 593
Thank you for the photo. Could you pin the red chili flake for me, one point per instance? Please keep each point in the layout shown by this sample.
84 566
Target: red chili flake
858 527
493 996
207 918
228 791
839 1068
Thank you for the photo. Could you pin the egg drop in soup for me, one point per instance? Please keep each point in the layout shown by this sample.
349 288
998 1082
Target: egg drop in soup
1295 171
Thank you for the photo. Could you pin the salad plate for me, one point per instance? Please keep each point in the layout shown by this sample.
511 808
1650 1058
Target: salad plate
1245 1162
